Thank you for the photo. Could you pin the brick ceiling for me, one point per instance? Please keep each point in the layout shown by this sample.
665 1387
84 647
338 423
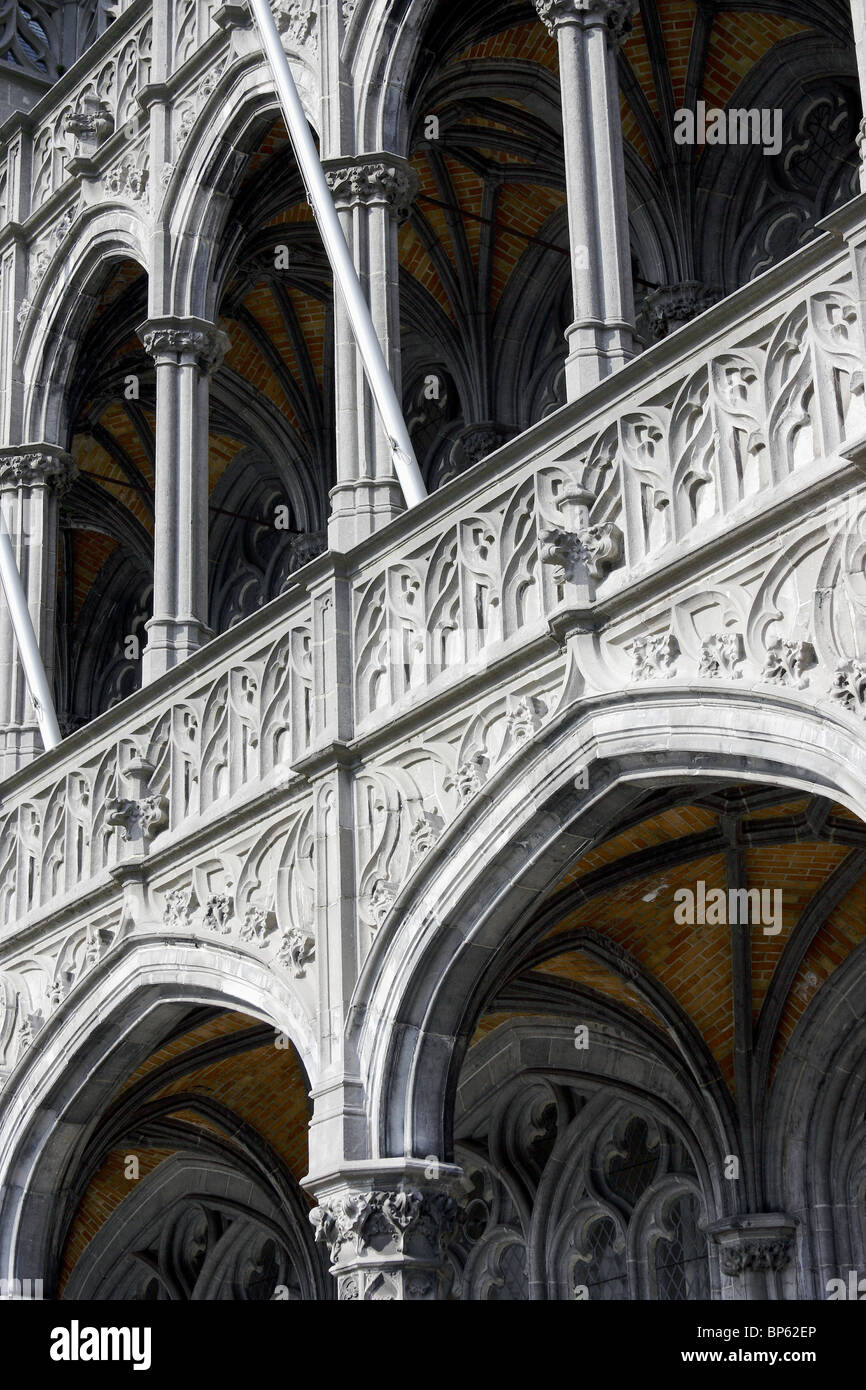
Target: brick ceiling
622 894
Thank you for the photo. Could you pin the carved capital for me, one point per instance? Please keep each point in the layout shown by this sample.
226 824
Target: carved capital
386 1244
754 1244
374 179
171 339
616 14
37 465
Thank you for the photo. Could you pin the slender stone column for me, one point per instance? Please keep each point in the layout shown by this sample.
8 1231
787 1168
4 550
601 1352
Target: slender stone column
185 353
858 19
373 194
588 33
32 477
387 1241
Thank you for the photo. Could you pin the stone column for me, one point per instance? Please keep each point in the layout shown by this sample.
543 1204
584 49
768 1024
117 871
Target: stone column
858 20
387 1239
32 477
373 194
185 352
588 33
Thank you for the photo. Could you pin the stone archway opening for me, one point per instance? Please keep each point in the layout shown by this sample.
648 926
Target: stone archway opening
165 1162
611 1111
188 1189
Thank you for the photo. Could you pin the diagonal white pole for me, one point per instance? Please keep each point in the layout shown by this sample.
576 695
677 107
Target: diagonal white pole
345 275
31 657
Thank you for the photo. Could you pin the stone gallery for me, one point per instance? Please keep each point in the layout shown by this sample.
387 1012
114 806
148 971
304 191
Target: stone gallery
459 894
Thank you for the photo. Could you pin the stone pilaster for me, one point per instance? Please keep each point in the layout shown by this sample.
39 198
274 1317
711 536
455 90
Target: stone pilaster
756 1251
387 1242
185 352
588 33
373 194
32 477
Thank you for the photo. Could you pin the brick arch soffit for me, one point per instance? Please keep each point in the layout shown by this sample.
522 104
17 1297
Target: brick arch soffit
60 314
226 132
141 996
533 822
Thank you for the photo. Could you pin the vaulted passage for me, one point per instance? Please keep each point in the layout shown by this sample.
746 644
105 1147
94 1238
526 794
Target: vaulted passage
187 1187
630 1082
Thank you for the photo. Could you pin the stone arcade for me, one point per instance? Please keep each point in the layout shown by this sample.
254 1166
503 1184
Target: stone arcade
349 893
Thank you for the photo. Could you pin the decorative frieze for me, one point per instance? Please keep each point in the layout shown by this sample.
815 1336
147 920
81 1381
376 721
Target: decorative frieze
654 656
297 23
849 687
721 654
126 181
787 661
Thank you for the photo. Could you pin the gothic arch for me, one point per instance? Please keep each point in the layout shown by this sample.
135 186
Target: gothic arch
121 1010
194 213
387 42
439 952
49 342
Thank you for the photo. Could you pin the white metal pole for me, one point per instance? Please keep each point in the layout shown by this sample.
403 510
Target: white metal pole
31 657
345 275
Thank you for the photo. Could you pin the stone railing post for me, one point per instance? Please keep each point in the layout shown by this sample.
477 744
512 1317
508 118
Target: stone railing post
588 33
373 194
185 353
32 477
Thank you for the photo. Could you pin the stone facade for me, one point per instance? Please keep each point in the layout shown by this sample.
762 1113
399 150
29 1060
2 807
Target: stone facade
347 904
